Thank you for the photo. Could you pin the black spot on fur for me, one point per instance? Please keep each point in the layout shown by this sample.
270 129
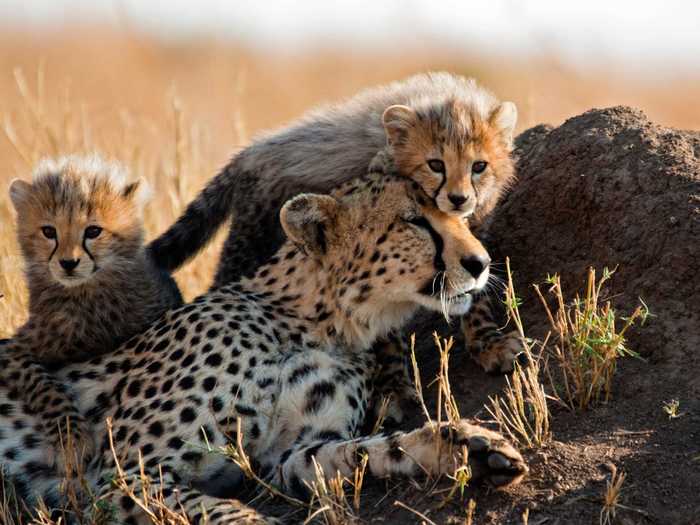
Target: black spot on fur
311 452
187 415
317 396
245 410
156 429
298 374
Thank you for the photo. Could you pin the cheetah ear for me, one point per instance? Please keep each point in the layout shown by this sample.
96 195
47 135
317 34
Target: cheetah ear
397 121
20 193
504 118
305 219
139 192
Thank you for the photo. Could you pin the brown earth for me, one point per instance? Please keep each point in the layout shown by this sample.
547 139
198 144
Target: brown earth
607 188
610 188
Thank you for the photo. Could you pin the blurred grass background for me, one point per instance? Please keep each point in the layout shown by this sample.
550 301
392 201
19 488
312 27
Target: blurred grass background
176 112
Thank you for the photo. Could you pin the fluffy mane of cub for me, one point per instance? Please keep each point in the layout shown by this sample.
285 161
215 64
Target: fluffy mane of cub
91 286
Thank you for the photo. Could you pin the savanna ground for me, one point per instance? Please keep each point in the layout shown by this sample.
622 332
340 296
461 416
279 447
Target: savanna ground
175 113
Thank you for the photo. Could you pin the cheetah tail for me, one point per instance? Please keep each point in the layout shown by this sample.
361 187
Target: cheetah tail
200 221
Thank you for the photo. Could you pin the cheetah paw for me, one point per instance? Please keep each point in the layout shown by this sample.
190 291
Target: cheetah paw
500 353
491 457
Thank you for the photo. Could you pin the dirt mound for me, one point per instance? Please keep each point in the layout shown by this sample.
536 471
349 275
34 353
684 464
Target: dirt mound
610 188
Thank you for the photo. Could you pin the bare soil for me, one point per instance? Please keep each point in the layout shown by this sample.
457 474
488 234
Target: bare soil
607 188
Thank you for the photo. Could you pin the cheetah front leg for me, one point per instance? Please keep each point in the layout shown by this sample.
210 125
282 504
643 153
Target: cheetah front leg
494 350
428 450
167 496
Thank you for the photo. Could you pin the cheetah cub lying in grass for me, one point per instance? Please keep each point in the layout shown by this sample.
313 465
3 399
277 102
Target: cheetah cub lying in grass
80 230
287 353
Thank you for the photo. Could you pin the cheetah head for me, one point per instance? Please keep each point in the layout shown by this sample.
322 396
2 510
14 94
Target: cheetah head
77 219
385 249
458 151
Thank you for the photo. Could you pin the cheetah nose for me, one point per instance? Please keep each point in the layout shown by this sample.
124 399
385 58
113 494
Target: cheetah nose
476 264
457 200
69 264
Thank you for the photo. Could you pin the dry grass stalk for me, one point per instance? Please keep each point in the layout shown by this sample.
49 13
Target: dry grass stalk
417 381
358 481
238 455
588 342
145 494
425 520
522 411
381 415
526 516
11 509
446 400
611 497
471 509
328 494
81 501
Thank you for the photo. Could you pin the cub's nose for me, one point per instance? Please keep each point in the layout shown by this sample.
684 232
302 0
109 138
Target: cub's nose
457 200
476 264
69 264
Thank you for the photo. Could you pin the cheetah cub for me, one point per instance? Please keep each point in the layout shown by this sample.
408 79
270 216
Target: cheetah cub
91 285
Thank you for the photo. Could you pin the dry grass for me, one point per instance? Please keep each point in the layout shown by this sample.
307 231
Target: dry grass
329 499
589 339
147 494
611 497
521 410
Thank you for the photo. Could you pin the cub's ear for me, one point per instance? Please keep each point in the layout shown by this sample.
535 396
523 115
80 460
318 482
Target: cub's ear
20 193
305 219
504 118
139 192
398 120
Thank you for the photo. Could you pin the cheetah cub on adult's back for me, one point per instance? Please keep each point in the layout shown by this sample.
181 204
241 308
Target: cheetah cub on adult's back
91 285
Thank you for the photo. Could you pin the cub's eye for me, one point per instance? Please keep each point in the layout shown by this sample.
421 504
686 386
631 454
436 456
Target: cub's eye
479 166
91 232
49 232
436 165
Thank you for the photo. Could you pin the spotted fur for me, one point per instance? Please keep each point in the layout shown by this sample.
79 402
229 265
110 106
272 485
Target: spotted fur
91 286
287 352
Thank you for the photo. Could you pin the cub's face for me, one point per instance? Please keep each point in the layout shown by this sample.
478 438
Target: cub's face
387 246
73 226
459 157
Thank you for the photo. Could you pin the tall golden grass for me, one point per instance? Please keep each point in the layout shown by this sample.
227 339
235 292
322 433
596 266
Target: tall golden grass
175 113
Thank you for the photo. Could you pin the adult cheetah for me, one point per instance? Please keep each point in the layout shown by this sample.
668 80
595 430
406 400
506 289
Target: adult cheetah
286 352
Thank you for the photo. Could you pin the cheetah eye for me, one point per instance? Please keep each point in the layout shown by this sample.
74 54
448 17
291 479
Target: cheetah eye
479 166
49 232
92 232
436 165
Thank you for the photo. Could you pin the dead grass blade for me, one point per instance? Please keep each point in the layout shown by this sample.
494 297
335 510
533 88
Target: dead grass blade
329 499
522 411
145 494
